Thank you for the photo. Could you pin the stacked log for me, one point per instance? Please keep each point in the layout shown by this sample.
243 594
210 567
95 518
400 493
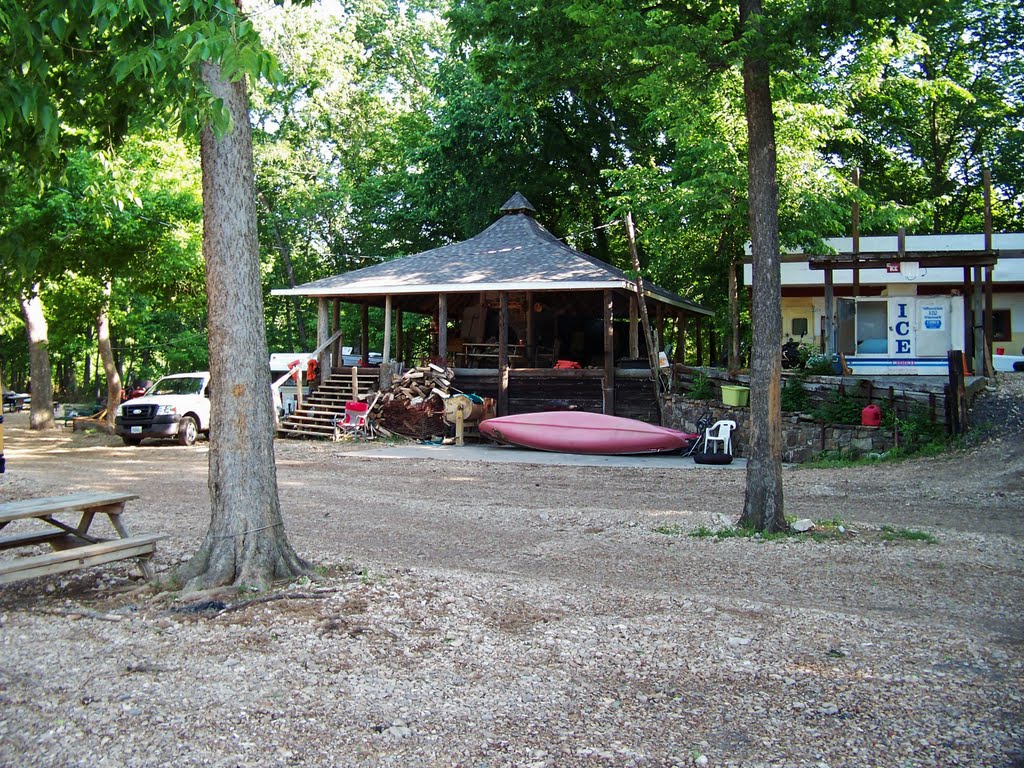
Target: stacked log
413 405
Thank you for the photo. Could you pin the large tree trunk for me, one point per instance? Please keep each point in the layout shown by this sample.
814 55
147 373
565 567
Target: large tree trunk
246 542
41 414
107 358
762 506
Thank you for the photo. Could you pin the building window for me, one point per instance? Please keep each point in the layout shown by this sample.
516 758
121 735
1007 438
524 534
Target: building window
1001 328
799 327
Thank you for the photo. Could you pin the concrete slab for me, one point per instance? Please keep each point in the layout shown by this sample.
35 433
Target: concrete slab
510 454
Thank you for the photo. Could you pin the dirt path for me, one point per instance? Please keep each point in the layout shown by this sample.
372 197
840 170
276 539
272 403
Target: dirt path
518 551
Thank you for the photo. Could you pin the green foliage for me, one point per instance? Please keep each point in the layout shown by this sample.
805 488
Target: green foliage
890 533
826 531
794 397
701 387
917 431
818 364
670 529
839 409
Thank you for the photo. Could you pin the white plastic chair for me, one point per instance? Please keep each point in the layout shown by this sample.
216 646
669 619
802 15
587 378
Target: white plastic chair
719 432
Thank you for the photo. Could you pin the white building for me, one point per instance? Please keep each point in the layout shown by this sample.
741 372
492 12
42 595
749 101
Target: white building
914 301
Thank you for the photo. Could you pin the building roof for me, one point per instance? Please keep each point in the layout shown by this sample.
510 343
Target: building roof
515 253
930 255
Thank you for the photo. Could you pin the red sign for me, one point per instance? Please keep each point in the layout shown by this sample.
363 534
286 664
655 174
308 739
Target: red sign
892 266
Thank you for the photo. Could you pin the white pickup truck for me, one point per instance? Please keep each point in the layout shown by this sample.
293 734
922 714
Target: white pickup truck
177 406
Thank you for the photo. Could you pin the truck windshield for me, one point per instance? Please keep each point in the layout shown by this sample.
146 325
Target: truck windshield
182 386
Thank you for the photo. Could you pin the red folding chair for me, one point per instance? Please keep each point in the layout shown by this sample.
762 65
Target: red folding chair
355 421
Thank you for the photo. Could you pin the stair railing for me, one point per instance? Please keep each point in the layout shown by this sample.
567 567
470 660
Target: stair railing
301 370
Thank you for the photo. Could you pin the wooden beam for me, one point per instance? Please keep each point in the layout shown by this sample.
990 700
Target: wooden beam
830 313
364 335
968 315
989 369
335 327
442 328
323 329
387 329
986 178
698 338
399 336
634 329
608 384
930 260
979 322
650 336
856 232
503 353
531 342
734 316
680 351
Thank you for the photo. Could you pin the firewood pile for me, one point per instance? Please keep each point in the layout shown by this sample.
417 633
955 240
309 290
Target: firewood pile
413 406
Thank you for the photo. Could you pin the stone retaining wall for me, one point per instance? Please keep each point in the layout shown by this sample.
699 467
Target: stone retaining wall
802 437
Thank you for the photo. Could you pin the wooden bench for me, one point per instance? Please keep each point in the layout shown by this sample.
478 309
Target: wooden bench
74 547
78 557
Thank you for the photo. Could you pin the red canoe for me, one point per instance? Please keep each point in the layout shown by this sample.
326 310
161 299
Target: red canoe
580 432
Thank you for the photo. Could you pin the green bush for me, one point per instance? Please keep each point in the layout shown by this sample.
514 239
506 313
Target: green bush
819 365
701 388
839 409
794 398
917 430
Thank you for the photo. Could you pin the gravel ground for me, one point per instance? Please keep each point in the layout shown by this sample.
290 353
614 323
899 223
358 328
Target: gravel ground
491 614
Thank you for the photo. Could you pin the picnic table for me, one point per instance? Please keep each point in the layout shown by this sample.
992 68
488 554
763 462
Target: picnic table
74 546
13 401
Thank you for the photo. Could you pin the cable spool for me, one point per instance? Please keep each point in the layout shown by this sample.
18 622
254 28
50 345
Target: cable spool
470 408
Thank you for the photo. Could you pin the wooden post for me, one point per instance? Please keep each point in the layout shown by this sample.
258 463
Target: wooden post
387 329
734 316
955 417
323 329
634 329
830 314
385 369
503 354
399 336
987 181
364 334
680 352
987 325
442 328
659 326
645 318
856 233
609 353
979 322
531 342
968 314
698 338
335 327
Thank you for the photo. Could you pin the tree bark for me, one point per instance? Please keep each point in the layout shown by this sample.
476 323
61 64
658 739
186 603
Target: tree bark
246 542
40 373
107 358
762 506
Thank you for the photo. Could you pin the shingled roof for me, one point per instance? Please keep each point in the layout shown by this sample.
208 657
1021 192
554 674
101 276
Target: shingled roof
515 253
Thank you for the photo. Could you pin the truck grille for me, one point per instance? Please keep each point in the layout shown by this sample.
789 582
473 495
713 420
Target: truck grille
138 412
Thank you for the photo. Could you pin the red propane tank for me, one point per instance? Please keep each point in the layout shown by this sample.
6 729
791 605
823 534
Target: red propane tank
871 416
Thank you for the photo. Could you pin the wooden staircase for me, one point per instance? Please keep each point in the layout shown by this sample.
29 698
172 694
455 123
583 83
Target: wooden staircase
326 405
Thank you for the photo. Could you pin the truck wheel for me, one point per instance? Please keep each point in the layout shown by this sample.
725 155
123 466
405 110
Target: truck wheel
132 440
188 431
